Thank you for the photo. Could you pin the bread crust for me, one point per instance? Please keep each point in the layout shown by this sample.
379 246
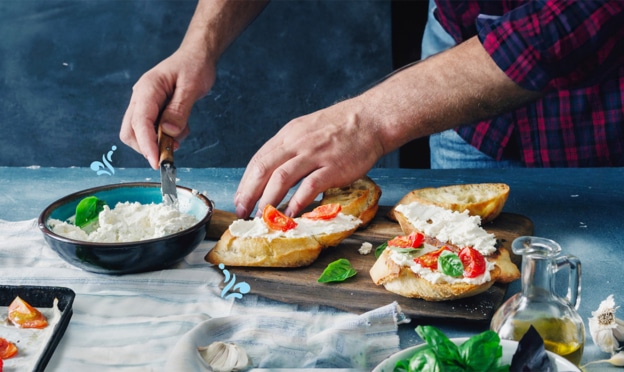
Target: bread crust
359 199
485 200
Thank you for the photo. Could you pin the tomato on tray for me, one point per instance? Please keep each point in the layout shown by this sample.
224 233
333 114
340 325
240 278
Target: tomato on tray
7 349
22 315
323 212
277 220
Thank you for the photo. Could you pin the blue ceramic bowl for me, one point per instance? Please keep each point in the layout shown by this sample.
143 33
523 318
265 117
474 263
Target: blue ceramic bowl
133 257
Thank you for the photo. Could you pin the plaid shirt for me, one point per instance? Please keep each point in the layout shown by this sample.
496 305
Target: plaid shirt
573 51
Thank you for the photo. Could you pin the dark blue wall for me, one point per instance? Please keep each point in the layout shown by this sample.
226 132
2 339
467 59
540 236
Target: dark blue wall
67 69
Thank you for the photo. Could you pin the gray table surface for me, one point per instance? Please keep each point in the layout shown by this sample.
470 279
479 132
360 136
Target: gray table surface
581 209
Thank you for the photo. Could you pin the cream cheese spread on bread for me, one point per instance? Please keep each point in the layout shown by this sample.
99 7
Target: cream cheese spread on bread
435 276
460 229
305 227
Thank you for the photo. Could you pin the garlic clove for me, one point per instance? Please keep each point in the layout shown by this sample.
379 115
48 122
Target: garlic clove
224 357
615 360
618 331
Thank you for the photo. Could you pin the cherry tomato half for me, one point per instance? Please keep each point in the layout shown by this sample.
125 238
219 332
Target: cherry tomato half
413 240
323 212
474 262
7 349
22 315
430 260
277 220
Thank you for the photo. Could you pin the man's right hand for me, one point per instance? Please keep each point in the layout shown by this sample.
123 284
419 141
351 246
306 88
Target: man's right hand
168 90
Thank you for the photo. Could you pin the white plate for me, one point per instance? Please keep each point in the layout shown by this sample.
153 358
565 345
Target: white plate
509 349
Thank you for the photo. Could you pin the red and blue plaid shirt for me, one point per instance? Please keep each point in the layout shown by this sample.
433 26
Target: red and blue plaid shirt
573 52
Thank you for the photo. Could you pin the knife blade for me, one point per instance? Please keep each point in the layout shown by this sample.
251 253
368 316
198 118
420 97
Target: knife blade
167 169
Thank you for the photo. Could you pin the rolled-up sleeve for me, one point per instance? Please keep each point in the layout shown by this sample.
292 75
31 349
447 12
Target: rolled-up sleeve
550 44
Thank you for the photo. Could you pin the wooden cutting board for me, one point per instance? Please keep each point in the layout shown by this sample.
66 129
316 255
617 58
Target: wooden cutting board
359 294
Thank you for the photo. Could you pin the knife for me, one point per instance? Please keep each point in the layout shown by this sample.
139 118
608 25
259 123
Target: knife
167 169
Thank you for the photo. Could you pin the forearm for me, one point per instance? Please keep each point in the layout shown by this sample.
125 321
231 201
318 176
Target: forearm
458 86
216 23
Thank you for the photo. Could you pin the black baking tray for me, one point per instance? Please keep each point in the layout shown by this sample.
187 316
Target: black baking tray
43 297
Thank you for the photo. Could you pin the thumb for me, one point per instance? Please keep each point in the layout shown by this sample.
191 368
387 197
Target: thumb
174 117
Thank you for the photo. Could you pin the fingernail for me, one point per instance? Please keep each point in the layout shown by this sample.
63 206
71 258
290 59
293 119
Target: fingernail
170 129
241 212
288 212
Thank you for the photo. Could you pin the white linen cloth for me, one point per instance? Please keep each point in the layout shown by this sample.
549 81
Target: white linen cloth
154 321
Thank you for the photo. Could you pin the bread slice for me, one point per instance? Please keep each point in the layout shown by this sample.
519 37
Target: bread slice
431 222
359 199
302 245
485 200
402 281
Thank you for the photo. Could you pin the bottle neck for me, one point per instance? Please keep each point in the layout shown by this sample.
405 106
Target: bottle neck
537 276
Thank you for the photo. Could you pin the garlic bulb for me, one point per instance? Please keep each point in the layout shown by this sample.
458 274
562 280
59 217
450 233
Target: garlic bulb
224 357
606 330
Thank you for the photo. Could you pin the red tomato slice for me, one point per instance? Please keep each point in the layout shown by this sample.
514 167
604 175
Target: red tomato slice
323 212
7 349
413 240
22 315
474 262
277 220
430 260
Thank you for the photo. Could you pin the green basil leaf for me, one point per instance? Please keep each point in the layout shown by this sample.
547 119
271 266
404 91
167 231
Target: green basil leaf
88 210
379 250
450 264
445 349
482 352
425 359
337 271
407 250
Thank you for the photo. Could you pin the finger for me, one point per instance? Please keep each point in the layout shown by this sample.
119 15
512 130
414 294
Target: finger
126 134
311 187
143 118
174 117
283 179
256 176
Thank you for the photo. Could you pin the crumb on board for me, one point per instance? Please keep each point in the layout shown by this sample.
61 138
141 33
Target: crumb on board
366 248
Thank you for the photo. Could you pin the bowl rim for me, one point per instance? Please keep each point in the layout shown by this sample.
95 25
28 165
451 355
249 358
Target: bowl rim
45 215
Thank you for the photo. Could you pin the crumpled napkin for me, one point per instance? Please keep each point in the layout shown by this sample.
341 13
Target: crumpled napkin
297 339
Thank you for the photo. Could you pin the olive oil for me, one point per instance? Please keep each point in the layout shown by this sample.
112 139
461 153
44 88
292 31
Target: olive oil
560 336
554 318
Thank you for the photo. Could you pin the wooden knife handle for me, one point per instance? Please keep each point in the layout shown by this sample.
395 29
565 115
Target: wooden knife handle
165 146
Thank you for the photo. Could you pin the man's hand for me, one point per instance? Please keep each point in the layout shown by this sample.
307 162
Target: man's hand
329 148
166 92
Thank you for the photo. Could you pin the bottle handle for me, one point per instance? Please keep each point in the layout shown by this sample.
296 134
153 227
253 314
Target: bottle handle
574 278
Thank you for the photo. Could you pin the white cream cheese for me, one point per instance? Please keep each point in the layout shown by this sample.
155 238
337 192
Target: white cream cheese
459 229
305 227
129 222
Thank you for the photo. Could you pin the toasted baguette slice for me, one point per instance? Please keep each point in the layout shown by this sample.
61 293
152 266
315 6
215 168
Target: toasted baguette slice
405 282
250 243
360 199
485 200
302 246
